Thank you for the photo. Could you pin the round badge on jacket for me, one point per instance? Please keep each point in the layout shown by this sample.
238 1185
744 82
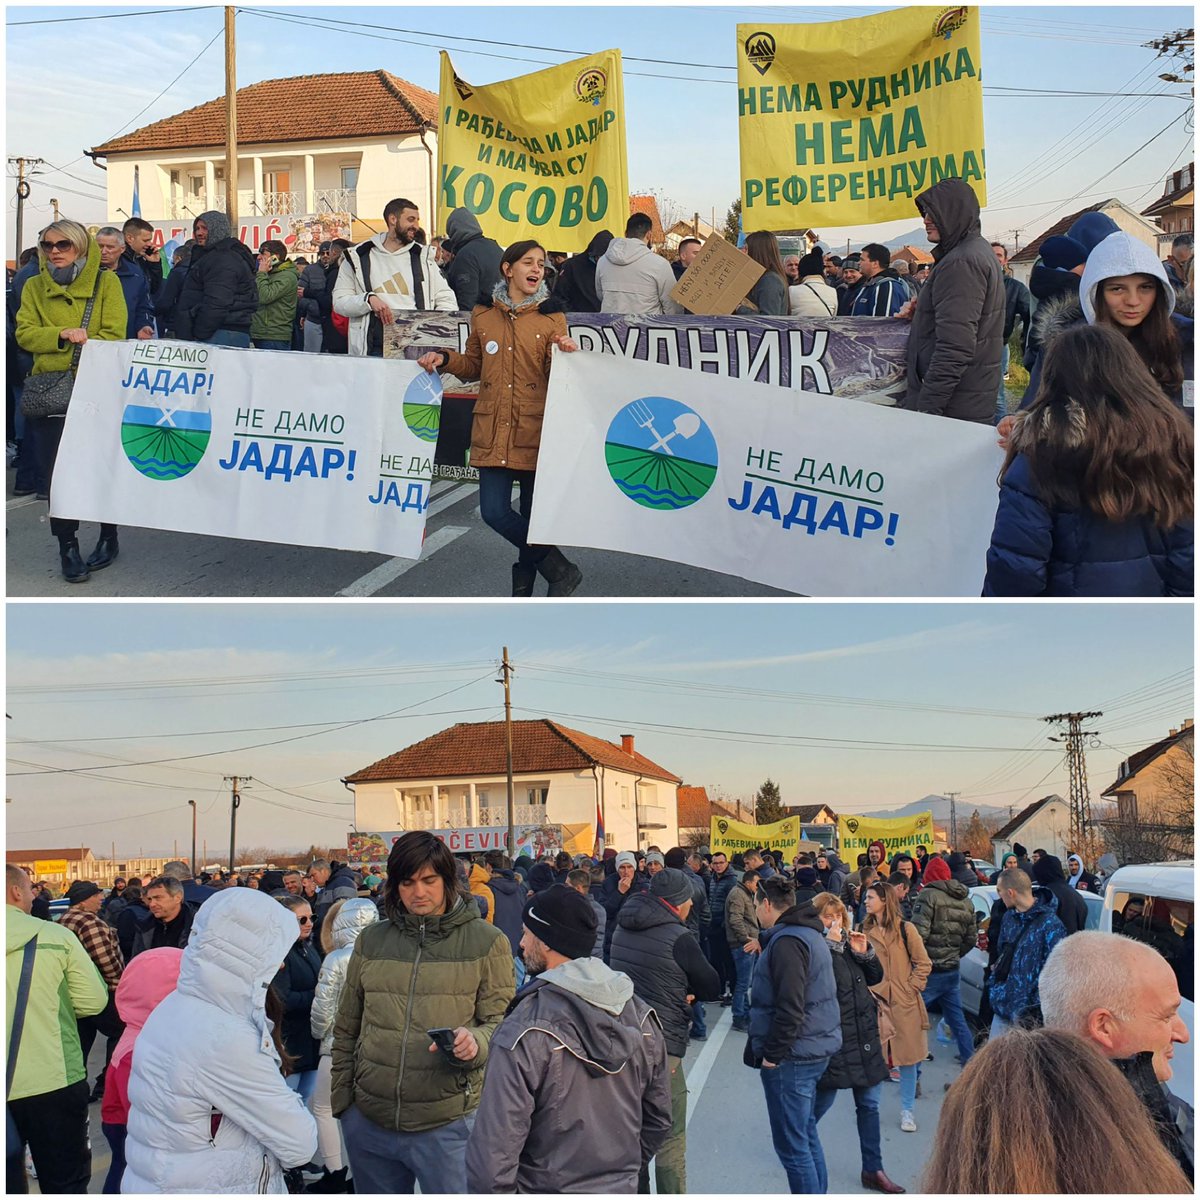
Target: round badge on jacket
492 347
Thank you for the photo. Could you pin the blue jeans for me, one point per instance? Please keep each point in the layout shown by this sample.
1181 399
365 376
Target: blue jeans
699 1026
791 1092
743 964
271 344
231 337
943 987
866 1112
908 1086
304 1082
1002 395
382 1160
495 506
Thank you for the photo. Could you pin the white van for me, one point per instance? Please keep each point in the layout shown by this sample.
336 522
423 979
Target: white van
1155 903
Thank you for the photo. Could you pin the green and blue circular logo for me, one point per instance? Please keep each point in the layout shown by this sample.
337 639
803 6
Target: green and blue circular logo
164 442
660 453
423 406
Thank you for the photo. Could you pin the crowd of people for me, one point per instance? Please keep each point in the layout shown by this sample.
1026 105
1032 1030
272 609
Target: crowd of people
475 1024
1096 490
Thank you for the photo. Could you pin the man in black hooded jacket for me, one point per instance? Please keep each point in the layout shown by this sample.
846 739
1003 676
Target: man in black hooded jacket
474 270
220 294
954 348
1072 908
576 283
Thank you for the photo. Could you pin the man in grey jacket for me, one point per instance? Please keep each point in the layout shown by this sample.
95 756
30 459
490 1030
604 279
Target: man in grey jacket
631 278
954 347
582 1121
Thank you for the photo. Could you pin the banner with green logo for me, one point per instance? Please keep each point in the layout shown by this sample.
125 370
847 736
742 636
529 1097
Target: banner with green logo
728 836
898 834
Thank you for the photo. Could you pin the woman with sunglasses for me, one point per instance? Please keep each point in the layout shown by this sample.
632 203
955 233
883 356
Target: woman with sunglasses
50 325
296 985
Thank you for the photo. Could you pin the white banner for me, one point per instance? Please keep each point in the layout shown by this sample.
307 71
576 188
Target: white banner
303 449
814 494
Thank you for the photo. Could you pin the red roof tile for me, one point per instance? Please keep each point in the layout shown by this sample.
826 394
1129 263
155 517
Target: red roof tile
695 809
1179 187
304 108
74 854
649 206
1030 252
478 749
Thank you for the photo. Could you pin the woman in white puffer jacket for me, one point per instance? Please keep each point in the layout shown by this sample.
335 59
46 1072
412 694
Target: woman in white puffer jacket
209 1108
339 931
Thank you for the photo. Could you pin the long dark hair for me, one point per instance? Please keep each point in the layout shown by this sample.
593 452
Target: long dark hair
1101 435
408 855
763 248
891 916
274 1010
1154 339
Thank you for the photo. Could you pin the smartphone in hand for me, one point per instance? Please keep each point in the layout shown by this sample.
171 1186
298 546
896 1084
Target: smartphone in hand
444 1039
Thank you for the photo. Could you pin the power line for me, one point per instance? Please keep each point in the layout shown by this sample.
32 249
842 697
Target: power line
149 12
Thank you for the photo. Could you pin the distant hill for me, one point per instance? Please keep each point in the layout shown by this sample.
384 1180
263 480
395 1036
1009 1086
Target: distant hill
915 238
940 807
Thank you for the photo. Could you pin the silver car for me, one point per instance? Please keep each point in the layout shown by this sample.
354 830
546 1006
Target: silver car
972 966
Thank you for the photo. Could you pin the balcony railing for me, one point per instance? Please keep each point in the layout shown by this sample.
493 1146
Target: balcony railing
490 816
335 200
325 200
651 816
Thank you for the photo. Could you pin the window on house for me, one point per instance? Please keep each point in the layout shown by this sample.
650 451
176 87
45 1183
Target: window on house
537 795
1127 808
196 185
349 177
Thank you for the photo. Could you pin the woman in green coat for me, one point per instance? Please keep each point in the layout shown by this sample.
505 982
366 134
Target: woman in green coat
49 326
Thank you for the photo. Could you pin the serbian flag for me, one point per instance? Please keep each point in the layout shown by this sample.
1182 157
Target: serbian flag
599 832
135 209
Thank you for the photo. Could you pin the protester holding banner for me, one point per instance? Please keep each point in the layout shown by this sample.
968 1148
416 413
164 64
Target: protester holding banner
1096 490
474 268
954 348
219 297
53 321
509 351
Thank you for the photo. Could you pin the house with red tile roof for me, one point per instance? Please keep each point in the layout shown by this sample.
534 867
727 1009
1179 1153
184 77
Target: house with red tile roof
308 144
456 780
696 811
649 206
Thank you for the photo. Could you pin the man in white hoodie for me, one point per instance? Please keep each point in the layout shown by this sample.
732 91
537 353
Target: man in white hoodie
389 273
631 278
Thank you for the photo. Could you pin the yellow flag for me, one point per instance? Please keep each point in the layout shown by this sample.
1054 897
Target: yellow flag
729 836
845 123
540 156
897 834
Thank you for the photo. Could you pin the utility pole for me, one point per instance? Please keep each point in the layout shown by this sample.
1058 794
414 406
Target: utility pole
231 143
235 804
22 196
506 679
54 205
193 807
1081 833
952 796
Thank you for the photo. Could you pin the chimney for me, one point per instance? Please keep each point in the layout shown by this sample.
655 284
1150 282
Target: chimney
627 742
1188 723
1173 733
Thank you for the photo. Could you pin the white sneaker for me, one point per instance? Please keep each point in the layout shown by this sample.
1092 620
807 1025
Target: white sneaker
908 1123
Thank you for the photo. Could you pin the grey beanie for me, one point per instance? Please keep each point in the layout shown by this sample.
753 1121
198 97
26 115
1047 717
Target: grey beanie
218 226
672 885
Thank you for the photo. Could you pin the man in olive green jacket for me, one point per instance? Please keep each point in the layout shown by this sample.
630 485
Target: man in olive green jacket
407 1107
278 298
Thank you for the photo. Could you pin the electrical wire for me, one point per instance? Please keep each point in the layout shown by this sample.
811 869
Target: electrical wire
149 12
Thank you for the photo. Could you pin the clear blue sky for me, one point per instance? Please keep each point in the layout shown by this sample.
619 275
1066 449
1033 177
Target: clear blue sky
72 86
214 675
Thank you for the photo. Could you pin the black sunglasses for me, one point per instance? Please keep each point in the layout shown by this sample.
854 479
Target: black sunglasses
48 246
305 920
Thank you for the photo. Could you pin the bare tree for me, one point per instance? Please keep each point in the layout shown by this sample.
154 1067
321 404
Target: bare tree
1166 831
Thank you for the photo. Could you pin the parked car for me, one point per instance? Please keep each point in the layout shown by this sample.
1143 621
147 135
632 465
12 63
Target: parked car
973 965
58 908
1156 903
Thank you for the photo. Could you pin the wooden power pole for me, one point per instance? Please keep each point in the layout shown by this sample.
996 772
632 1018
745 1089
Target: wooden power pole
231 145
506 678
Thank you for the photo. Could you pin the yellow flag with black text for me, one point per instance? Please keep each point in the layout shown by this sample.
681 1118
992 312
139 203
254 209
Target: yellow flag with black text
898 834
731 837
540 156
846 122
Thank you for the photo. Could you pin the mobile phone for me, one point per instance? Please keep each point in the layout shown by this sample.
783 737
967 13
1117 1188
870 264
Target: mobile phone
445 1041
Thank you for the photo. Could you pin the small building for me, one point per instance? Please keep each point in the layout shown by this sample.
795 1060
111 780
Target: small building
1043 825
695 228
696 812
818 822
307 145
914 256
1175 209
1022 263
456 780
1149 785
62 867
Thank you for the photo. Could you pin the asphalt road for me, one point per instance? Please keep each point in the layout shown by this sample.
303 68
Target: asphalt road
729 1138
461 558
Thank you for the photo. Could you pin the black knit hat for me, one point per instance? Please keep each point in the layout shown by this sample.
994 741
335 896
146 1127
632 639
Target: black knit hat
672 886
81 890
563 919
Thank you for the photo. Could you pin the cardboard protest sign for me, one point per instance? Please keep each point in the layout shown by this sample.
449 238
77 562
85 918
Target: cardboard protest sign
302 449
846 122
718 280
540 156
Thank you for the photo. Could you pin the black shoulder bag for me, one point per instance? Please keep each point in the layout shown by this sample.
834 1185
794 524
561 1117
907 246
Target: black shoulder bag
49 394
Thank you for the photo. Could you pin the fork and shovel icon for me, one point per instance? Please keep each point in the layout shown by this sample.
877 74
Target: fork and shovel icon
686 425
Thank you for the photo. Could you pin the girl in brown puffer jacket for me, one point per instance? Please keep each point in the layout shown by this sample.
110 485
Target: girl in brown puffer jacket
508 351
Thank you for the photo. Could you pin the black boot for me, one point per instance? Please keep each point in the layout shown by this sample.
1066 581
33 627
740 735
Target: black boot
523 579
563 576
106 550
330 1182
74 569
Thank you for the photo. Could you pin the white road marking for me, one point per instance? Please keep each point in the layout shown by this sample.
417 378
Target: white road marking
22 502
445 500
698 1075
387 572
